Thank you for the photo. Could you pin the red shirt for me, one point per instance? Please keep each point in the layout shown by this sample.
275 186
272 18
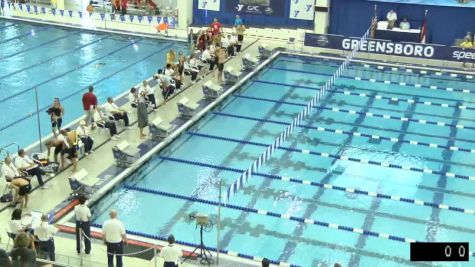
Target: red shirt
88 100
216 28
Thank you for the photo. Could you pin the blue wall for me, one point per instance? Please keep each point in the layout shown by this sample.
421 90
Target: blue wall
445 24
203 17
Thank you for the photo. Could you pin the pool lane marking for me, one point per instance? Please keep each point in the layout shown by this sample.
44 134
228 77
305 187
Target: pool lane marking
65 73
279 216
378 97
361 134
40 45
345 158
193 245
31 114
324 186
408 69
52 58
4 27
25 34
367 114
448 89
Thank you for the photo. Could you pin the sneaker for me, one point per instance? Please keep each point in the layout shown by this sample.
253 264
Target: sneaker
114 138
44 187
86 154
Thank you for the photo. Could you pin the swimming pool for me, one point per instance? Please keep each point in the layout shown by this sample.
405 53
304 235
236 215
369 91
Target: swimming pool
386 159
62 62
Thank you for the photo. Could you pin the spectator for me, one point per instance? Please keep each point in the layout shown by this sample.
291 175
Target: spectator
90 8
240 37
193 67
180 69
4 259
467 43
191 39
206 57
56 112
23 187
265 262
221 55
115 6
237 21
171 73
89 102
171 254
119 114
15 226
103 122
84 133
166 83
70 144
201 41
148 92
133 97
83 225
405 25
10 172
232 42
171 57
123 7
217 30
392 18
24 252
44 234
25 164
114 235
142 114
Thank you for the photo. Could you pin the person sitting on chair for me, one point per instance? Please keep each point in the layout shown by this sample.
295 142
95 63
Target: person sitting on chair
11 172
84 133
70 151
133 97
105 123
119 114
25 164
405 25
166 83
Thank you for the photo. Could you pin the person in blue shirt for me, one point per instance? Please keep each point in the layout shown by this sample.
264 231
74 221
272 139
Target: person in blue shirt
237 21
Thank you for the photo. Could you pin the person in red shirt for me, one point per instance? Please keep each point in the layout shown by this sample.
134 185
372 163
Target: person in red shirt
89 103
216 29
124 6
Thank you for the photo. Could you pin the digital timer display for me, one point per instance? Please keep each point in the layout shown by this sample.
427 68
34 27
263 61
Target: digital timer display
433 251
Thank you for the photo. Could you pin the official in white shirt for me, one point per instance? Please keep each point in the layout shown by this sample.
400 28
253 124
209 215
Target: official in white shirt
24 163
405 25
44 234
145 89
171 254
392 18
113 110
10 172
84 133
114 235
133 97
83 224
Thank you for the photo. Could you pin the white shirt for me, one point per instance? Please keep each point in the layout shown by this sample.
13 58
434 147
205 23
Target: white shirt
83 131
169 72
45 231
405 25
24 163
9 171
233 40
133 98
392 16
113 229
15 226
206 55
145 89
166 80
82 213
171 253
225 42
110 107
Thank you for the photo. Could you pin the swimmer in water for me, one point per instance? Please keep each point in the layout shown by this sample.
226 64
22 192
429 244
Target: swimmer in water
100 64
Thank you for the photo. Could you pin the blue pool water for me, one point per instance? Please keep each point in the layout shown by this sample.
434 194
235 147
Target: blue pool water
234 134
62 62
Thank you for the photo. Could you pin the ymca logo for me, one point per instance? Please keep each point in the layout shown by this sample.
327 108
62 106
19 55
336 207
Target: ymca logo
239 7
309 7
205 3
296 13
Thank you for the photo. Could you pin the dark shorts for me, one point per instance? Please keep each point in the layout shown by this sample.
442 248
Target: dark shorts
24 190
220 66
72 152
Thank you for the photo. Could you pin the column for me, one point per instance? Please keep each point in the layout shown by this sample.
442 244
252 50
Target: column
185 14
322 16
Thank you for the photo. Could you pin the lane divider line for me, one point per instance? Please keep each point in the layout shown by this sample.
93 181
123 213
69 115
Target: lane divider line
378 97
82 89
326 186
52 58
25 34
308 221
449 89
370 136
367 114
40 45
346 158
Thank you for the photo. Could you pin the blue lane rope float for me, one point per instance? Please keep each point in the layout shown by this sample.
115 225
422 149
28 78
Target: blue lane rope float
398 69
416 85
82 89
357 134
342 157
193 245
261 160
52 58
39 45
324 186
377 97
280 216
366 114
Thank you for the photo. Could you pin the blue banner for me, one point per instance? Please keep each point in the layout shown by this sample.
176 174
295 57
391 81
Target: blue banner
35 8
426 51
256 7
131 18
452 3
43 10
28 8
70 12
149 18
80 14
139 18
53 11
122 18
61 12
112 16
102 16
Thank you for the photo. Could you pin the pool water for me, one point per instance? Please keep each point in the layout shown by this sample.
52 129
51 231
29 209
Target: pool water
62 62
228 139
